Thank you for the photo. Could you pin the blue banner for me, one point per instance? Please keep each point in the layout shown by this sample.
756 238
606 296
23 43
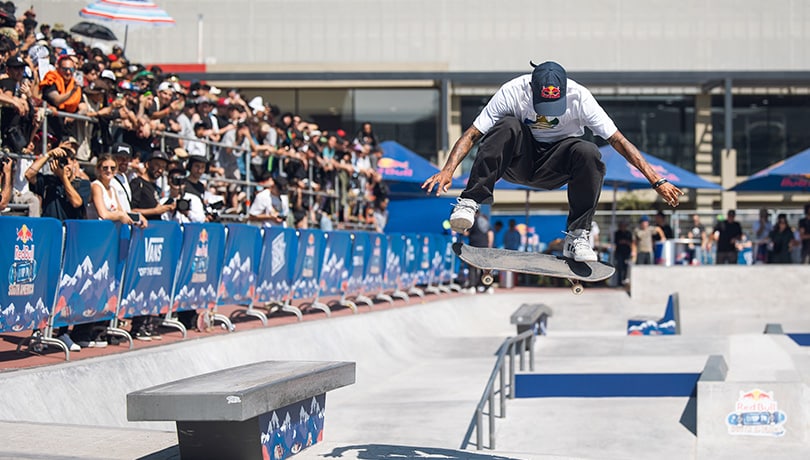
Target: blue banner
450 262
242 253
150 269
280 246
88 289
30 253
436 246
411 261
308 264
375 260
200 264
336 263
395 248
357 269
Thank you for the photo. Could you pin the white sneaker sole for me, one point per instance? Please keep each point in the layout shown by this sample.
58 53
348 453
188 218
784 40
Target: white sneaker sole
460 225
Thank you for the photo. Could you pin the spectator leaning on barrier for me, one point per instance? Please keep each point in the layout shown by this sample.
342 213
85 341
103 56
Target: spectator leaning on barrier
270 206
104 203
188 206
643 241
61 91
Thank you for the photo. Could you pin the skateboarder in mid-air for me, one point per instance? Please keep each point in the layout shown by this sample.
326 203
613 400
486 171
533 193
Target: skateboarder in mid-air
530 134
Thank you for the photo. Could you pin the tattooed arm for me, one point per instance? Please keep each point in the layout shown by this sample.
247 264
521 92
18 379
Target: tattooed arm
461 148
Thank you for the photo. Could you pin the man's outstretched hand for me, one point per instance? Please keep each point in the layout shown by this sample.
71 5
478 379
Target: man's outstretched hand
670 193
441 180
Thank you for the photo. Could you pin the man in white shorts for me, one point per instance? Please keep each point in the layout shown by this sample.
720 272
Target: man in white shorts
530 135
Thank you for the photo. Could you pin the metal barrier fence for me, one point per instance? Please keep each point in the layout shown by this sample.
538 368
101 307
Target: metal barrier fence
249 184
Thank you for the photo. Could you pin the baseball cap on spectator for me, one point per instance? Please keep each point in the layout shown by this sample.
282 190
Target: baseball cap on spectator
215 91
121 149
60 43
158 155
644 219
199 125
15 62
193 158
165 86
180 152
38 52
549 82
257 104
108 74
143 74
203 100
39 36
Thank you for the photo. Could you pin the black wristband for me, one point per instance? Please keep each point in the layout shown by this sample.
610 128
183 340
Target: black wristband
660 182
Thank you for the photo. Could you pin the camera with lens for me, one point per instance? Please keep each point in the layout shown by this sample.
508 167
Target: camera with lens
183 205
62 161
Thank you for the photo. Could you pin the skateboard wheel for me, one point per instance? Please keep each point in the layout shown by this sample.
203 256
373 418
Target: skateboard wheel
577 289
487 279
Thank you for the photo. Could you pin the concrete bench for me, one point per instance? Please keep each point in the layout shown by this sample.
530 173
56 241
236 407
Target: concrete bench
531 316
273 408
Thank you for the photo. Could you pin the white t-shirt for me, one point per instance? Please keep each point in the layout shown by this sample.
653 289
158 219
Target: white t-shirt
514 98
265 203
120 184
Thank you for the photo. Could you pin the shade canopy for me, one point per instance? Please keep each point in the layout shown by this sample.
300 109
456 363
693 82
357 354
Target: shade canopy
92 30
621 174
404 170
790 175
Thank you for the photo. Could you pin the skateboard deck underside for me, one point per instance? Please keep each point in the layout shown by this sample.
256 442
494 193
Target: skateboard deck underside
532 263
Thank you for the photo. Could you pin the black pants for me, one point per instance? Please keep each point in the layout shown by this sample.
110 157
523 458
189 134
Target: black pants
510 151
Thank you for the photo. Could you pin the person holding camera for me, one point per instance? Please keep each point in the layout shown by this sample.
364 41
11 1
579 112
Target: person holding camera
64 194
270 206
188 206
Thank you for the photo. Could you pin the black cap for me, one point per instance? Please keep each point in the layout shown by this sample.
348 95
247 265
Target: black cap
158 155
16 62
549 85
192 158
121 149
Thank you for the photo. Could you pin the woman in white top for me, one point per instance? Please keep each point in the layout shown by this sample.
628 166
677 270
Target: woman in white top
104 200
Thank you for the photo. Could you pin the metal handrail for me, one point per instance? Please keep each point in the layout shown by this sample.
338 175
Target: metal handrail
488 398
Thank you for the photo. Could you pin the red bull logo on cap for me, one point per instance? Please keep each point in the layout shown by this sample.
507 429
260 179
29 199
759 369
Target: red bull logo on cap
550 92
392 167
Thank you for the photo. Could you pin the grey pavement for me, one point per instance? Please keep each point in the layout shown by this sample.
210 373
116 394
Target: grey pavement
421 370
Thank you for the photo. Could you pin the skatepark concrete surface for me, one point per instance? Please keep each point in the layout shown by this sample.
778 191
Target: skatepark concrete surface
422 368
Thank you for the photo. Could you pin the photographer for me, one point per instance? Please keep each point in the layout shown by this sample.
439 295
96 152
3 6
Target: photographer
188 206
271 206
64 194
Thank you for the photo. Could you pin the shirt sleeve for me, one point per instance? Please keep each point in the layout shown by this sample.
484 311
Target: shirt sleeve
595 116
497 108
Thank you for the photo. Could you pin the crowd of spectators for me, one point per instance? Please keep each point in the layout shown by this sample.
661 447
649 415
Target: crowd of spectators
132 144
223 154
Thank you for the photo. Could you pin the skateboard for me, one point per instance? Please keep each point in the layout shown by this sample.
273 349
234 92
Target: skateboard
489 259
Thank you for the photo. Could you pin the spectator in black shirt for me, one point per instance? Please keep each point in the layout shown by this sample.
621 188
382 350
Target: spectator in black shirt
64 194
145 192
727 233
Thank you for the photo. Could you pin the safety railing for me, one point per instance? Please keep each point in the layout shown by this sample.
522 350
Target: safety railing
310 192
503 374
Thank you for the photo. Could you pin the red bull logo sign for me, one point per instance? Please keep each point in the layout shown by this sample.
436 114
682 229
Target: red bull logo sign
756 413
798 182
23 270
391 167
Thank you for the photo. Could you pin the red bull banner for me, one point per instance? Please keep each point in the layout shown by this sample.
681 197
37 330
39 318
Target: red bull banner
150 269
412 260
201 258
449 261
30 253
279 248
357 267
88 287
311 245
237 284
336 266
375 260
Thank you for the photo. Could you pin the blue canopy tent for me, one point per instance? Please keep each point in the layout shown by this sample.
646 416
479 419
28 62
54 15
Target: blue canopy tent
405 171
621 174
790 175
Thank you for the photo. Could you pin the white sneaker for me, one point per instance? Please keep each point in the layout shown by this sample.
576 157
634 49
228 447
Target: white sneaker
578 246
463 215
